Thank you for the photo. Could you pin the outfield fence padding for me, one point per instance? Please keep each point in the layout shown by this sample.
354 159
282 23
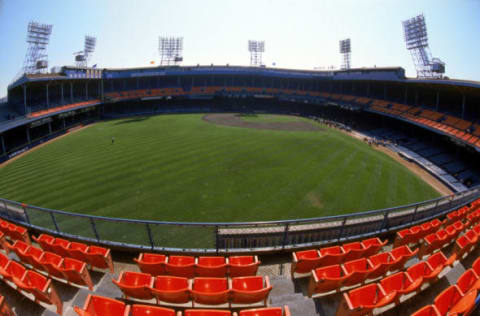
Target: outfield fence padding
238 237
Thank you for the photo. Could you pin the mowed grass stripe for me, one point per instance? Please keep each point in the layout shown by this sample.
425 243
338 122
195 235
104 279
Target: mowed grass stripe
178 167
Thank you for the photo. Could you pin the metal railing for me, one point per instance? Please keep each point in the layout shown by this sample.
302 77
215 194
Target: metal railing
238 237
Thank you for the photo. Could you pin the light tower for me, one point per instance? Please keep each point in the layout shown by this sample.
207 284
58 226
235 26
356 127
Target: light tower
345 50
416 40
256 48
171 50
38 37
81 57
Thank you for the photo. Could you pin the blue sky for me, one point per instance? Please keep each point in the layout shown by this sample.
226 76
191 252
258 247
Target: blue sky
298 34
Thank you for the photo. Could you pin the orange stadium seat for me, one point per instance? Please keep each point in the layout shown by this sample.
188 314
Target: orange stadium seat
3 263
381 264
468 281
59 247
210 291
363 300
18 233
429 310
400 256
33 255
99 257
77 250
181 266
462 246
267 311
400 282
326 279
13 270
250 289
438 261
148 310
211 267
20 247
52 263
331 255
372 246
75 271
135 284
102 306
243 265
41 287
305 261
171 289
453 302
421 270
353 250
151 263
45 241
357 271
206 312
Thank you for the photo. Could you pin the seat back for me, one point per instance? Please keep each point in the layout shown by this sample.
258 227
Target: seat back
147 310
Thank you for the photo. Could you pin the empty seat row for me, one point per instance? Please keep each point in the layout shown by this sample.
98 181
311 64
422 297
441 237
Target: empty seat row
104 306
458 299
389 290
304 262
68 269
355 272
14 232
189 266
30 281
415 233
95 256
441 238
202 290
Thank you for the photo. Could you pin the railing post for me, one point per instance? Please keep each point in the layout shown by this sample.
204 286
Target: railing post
385 220
217 239
24 206
5 206
285 235
94 228
54 221
150 237
414 213
341 228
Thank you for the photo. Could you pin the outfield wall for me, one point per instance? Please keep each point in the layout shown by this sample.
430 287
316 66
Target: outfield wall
228 238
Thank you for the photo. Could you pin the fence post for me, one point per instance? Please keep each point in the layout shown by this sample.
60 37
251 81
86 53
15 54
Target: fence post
217 239
25 213
385 220
6 210
150 237
285 235
341 228
54 221
414 213
94 228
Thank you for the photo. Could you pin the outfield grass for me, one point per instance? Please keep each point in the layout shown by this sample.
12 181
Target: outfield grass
271 118
180 168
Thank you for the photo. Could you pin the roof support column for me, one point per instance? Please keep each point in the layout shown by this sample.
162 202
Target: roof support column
48 100
71 92
368 90
406 95
4 151
463 105
100 89
86 89
61 93
28 135
437 101
49 127
416 97
384 91
25 97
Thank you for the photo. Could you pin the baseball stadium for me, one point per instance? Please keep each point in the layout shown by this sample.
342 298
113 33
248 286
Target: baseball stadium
245 190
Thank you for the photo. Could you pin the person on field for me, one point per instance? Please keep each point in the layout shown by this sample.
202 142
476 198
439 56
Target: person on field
113 140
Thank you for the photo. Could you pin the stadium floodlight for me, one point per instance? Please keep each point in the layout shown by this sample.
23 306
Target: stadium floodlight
416 40
171 50
81 57
256 48
345 50
38 37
